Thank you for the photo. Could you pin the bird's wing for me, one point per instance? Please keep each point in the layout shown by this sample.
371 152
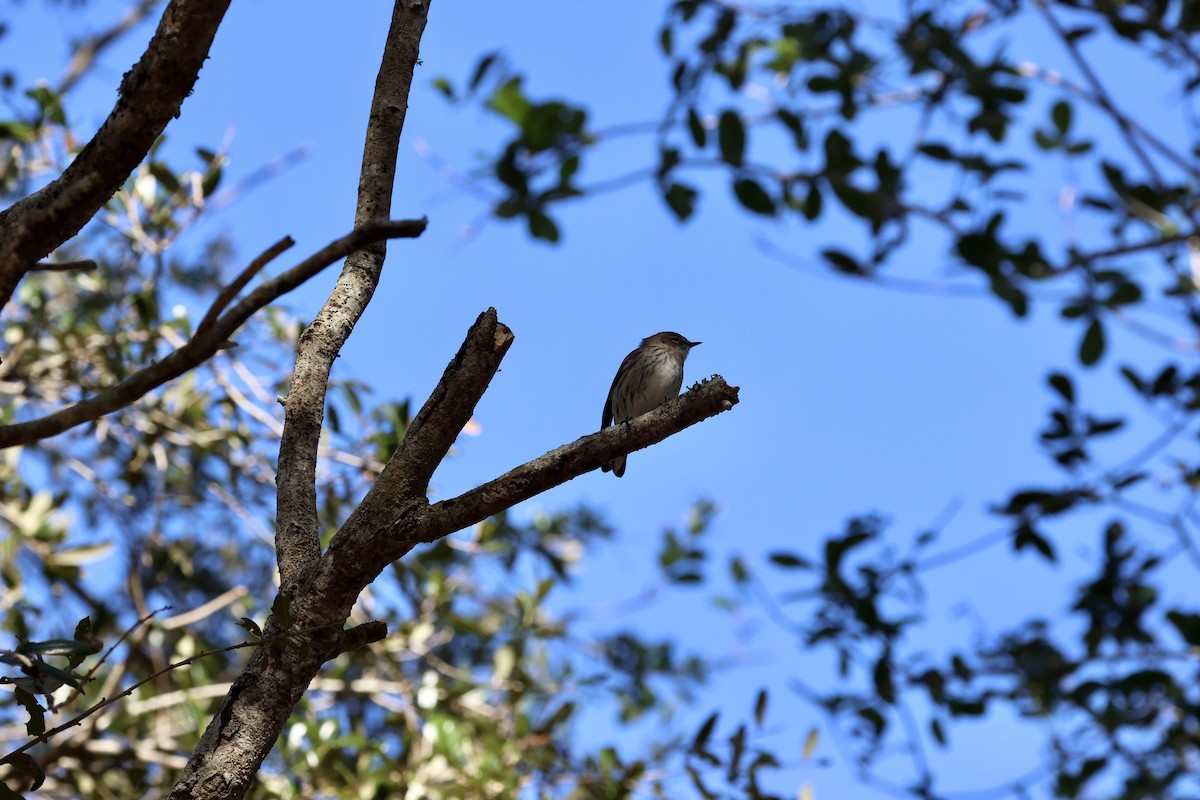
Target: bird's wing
626 365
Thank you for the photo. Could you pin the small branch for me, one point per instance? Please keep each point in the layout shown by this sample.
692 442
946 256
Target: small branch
449 407
205 611
702 401
203 345
296 528
405 478
86 51
108 701
1102 96
1029 69
91 673
1129 249
362 635
368 542
231 291
87 265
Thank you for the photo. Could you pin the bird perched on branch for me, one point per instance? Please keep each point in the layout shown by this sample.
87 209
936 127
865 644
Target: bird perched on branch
648 377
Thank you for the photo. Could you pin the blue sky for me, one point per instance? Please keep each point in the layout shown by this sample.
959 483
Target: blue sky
853 399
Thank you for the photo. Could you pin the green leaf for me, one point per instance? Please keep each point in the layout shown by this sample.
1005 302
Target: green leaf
935 728
938 152
1061 114
24 766
681 199
1091 348
843 262
789 561
60 647
737 569
510 102
542 227
760 707
696 128
737 747
1062 384
281 609
885 688
1187 624
810 744
442 84
36 725
794 124
700 742
731 138
164 176
753 197
481 69
19 131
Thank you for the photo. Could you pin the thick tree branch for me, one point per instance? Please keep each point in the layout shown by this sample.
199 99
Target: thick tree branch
149 97
405 478
207 340
434 429
296 534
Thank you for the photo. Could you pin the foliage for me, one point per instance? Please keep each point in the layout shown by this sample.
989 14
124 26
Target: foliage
915 124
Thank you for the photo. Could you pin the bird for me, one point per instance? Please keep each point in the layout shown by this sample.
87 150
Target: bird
648 377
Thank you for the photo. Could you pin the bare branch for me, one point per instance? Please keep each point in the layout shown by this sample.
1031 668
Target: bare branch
149 97
432 432
704 400
296 531
226 295
87 265
204 344
373 538
84 56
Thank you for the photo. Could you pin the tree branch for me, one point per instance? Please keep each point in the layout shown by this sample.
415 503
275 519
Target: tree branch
1102 97
149 97
87 265
704 400
296 532
205 342
389 524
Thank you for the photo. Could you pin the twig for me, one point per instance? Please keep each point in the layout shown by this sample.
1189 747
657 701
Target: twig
226 295
86 51
1102 97
87 265
91 673
206 610
108 701
202 346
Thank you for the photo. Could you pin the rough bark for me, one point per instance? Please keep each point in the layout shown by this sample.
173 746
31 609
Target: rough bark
149 97
296 532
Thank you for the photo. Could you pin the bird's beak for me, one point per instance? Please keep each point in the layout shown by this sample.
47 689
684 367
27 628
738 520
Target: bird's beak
693 344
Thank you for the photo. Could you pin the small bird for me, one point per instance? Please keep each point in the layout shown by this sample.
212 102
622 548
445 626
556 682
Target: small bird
648 377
